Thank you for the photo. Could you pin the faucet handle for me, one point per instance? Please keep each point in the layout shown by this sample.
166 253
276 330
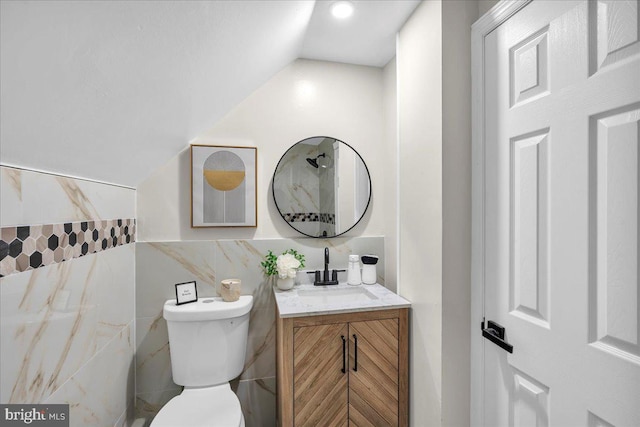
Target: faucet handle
334 274
316 276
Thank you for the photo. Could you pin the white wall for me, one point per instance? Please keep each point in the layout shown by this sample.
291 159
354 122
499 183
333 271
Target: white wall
420 216
457 17
132 80
485 5
307 98
390 105
434 97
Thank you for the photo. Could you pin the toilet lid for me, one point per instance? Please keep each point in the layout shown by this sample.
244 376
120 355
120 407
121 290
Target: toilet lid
202 407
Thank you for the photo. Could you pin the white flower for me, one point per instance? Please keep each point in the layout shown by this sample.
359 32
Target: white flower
287 265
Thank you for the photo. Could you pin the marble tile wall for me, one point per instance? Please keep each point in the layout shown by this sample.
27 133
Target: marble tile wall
159 265
303 196
67 327
327 191
300 202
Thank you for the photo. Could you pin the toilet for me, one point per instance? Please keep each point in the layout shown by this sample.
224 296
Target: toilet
207 342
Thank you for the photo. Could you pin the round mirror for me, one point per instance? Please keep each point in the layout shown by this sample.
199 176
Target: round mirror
321 187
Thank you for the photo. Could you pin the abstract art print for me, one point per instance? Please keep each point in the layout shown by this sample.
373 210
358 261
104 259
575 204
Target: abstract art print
223 186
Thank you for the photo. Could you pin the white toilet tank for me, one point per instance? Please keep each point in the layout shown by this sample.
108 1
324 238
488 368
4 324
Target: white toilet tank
207 339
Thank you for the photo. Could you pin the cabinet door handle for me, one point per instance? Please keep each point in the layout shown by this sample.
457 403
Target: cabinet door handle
355 353
344 354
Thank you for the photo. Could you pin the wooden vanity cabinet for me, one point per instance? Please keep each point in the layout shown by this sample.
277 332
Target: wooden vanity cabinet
343 369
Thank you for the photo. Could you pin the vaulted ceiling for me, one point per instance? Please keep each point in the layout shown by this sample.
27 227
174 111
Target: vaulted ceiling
112 90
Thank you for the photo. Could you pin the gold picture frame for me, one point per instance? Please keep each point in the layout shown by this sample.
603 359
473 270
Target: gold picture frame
224 186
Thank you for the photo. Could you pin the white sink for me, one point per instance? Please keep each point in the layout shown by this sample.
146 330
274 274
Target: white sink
328 296
308 300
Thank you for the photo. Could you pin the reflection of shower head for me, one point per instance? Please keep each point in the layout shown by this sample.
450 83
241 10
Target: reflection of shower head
314 162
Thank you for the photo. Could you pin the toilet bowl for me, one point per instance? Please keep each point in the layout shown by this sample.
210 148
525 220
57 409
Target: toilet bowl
202 407
207 343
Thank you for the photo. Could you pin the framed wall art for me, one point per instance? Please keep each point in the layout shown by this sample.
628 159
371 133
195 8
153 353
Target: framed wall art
223 186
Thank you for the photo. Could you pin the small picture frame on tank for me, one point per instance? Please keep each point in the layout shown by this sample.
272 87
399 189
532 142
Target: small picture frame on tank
186 293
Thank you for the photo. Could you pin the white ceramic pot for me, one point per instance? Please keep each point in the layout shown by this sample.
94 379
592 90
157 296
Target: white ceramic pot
285 284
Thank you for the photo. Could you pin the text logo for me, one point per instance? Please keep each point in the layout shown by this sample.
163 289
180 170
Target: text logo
56 415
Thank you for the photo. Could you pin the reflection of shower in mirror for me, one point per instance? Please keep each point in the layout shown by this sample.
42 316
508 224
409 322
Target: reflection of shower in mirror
325 195
314 162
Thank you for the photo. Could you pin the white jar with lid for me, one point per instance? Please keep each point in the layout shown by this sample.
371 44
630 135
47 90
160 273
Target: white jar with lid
353 271
369 274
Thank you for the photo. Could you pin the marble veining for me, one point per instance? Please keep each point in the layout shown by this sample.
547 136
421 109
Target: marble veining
30 385
54 319
78 199
14 178
260 355
205 274
67 293
149 404
243 252
159 265
31 197
153 362
165 346
100 393
301 184
258 401
291 305
241 258
77 322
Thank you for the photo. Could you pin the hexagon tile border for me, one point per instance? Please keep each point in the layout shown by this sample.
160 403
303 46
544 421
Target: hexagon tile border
27 247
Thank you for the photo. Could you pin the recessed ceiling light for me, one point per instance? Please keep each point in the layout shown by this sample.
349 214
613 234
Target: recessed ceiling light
342 9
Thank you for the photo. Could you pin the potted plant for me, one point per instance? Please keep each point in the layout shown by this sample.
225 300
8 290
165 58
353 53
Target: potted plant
285 265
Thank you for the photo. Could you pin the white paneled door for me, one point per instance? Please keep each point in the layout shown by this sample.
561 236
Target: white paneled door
560 224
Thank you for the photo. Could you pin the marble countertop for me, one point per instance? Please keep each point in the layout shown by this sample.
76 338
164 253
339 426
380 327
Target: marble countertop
290 303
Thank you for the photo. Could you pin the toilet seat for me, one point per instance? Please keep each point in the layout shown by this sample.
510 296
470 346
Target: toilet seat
216 406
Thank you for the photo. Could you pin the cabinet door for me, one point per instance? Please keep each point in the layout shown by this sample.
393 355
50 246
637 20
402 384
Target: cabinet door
320 385
373 373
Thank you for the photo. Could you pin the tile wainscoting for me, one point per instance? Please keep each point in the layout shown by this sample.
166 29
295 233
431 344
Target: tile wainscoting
67 295
159 265
83 325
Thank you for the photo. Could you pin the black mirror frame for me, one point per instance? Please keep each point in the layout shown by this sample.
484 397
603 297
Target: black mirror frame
273 193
